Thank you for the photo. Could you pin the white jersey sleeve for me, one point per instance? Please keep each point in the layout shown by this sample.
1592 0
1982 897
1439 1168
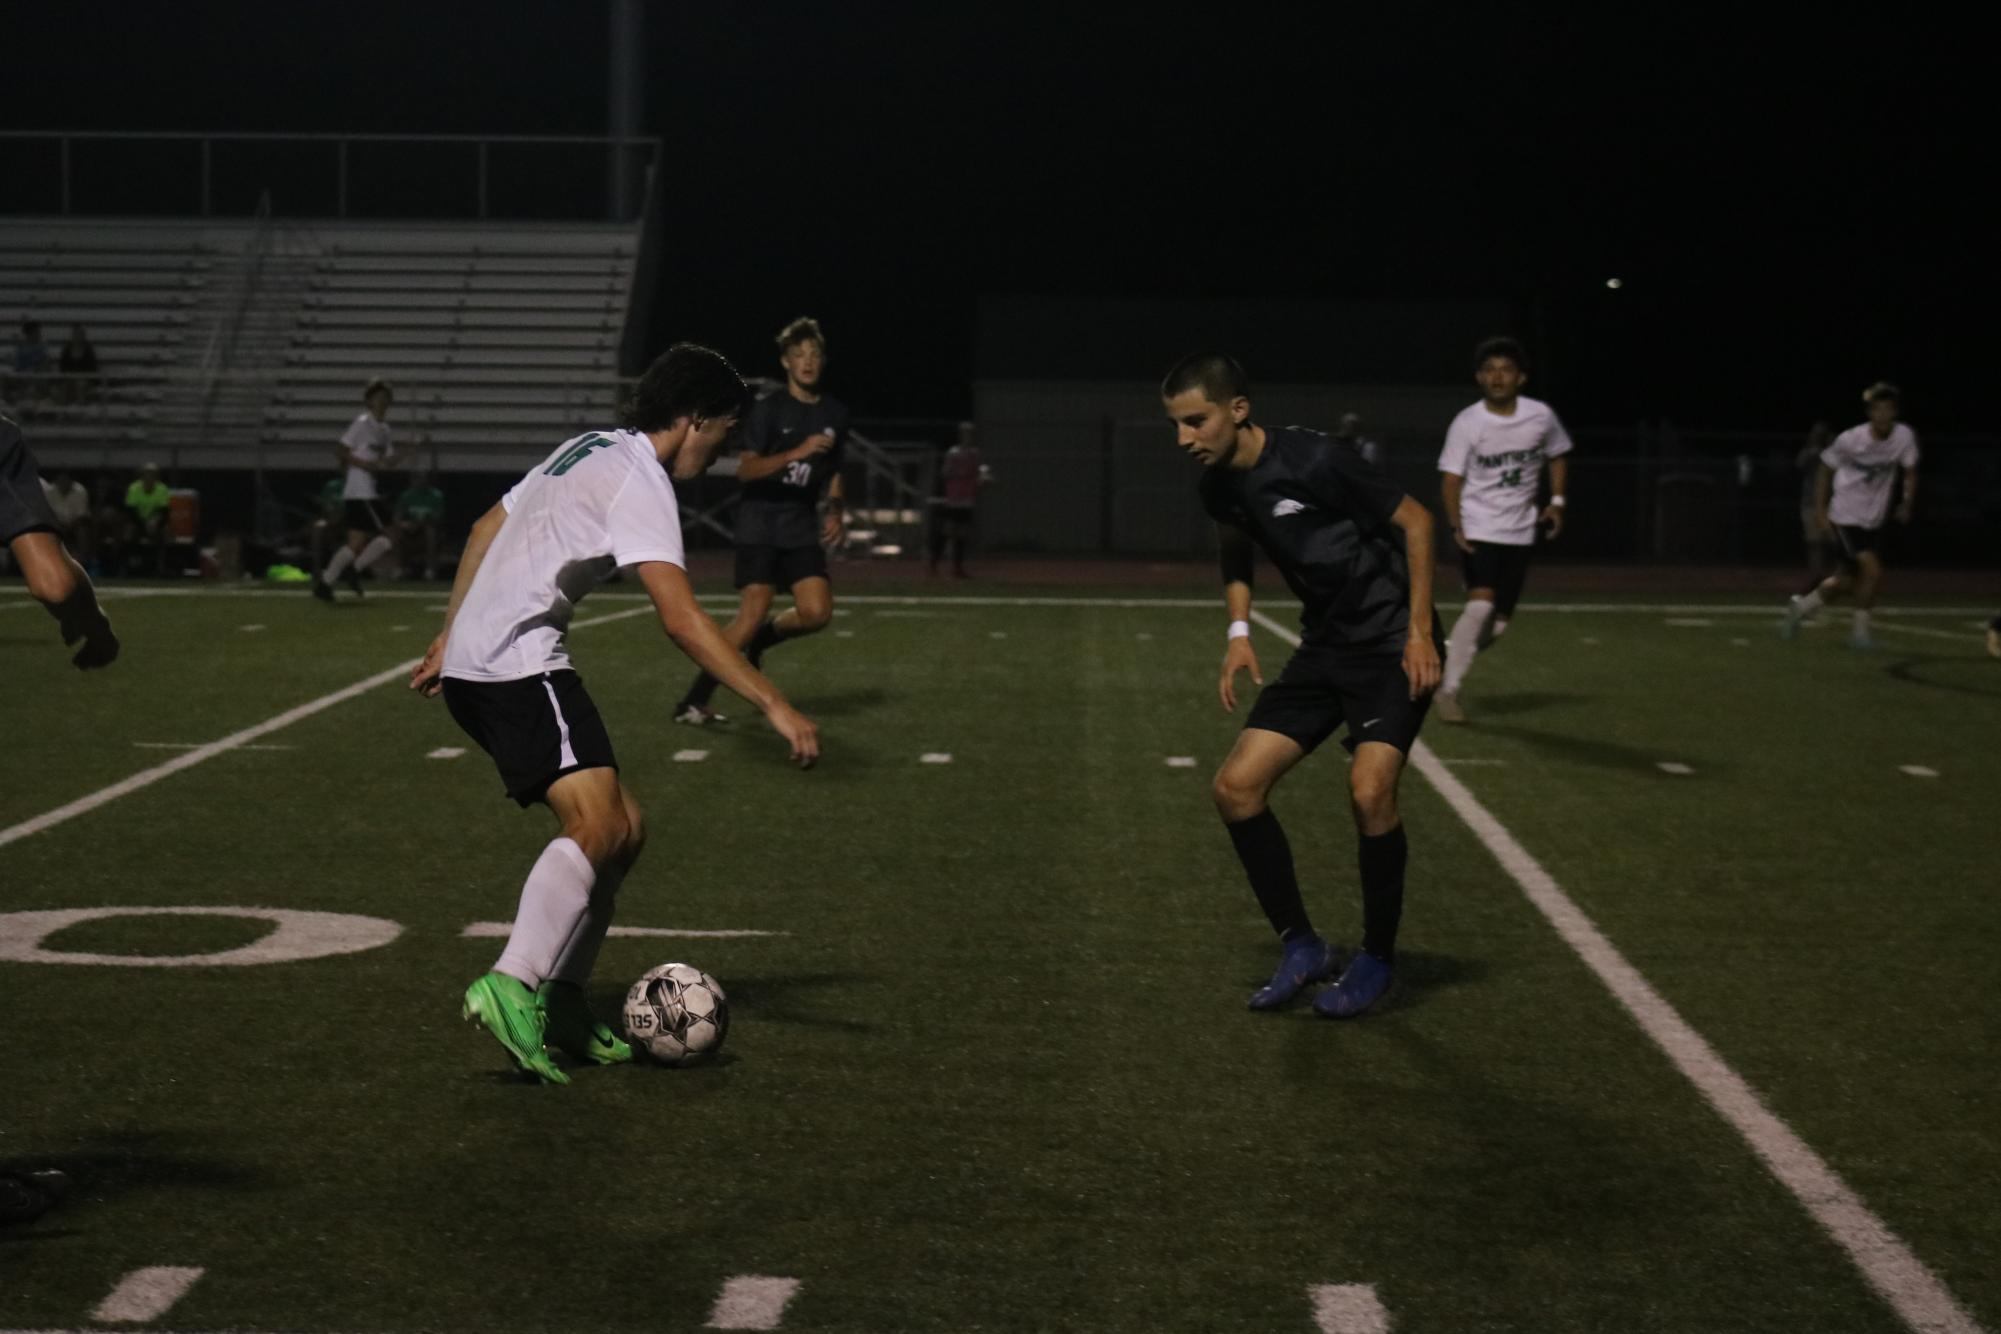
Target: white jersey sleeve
644 522
1556 440
1458 444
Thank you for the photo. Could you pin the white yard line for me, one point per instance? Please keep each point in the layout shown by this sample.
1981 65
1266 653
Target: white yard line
1918 770
493 930
1956 636
445 753
1897 1275
146 1294
237 741
749 1301
197 745
1348 1308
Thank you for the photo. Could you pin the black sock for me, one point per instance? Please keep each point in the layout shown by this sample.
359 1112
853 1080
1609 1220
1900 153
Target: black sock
700 692
1382 857
1267 858
767 635
959 554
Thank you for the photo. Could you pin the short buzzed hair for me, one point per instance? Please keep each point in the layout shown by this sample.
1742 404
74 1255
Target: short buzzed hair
1220 378
378 385
1882 392
1511 348
799 331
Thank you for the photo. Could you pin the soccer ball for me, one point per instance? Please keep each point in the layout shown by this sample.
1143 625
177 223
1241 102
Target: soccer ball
677 1013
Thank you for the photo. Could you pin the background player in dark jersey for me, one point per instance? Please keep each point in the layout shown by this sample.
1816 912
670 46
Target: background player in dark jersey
794 443
31 534
1358 553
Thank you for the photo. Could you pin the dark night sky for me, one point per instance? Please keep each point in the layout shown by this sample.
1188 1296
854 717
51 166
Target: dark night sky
1793 211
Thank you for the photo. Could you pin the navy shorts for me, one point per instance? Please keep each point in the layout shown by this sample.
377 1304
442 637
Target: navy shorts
781 567
364 516
1321 688
536 729
1850 542
1501 567
24 506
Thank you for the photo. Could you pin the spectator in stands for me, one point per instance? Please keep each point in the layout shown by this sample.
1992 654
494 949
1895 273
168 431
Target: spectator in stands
146 503
1350 432
69 501
79 368
960 477
419 511
31 355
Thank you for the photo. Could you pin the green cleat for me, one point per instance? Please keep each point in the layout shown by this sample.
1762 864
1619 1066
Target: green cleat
508 1010
571 1028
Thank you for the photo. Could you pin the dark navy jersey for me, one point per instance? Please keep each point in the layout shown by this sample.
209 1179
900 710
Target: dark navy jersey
1322 516
24 506
781 510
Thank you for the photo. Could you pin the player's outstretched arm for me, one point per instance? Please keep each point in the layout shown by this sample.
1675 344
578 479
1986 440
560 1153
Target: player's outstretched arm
1909 507
1420 653
696 635
426 676
1451 486
1823 488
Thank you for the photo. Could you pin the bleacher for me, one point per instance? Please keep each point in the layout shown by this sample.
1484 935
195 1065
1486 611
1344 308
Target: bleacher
497 339
139 296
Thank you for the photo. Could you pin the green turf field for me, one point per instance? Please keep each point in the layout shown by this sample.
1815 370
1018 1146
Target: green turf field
992 1070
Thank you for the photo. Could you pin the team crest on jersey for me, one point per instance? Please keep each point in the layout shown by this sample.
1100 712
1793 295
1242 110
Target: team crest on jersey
1285 507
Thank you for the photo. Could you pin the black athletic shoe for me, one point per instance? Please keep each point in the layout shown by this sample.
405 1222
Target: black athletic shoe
26 1196
322 589
353 580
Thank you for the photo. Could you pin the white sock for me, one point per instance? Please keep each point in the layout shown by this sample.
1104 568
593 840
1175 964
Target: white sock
580 954
341 560
373 551
1809 604
555 899
1463 643
1861 621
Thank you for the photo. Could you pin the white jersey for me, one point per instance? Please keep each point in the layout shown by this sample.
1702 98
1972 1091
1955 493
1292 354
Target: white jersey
1865 469
600 502
367 438
1501 459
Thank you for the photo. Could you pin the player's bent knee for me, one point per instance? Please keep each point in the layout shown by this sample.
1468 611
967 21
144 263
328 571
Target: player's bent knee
1237 799
812 619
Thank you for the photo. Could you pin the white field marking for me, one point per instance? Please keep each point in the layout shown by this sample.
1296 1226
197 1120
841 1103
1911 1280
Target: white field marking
250 629
844 634
445 753
196 745
1495 763
1348 1308
906 614
1741 643
484 930
236 741
146 1294
996 634
397 629
1142 636
1954 635
1181 761
1897 1275
1688 620
1917 770
749 1301
296 935
1587 640
690 756
934 757
1673 767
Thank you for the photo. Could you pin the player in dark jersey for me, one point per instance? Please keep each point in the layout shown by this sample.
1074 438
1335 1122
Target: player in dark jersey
29 531
794 444
1357 551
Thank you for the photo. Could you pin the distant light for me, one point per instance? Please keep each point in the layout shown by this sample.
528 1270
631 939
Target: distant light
1615 283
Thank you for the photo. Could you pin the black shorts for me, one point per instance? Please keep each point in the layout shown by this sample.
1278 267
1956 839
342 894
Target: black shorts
536 729
24 506
365 515
956 520
1850 542
1501 567
1321 688
779 566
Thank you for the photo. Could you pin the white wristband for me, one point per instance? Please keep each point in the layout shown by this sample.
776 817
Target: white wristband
1556 501
1239 630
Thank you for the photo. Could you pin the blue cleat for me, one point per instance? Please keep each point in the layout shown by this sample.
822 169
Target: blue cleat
1307 960
1360 987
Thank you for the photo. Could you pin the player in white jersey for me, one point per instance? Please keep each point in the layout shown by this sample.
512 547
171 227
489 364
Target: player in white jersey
1491 470
600 502
365 450
1851 501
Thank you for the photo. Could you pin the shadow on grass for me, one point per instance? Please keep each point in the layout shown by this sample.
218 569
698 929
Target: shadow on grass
123 1164
1604 754
1924 670
841 703
1524 701
1419 975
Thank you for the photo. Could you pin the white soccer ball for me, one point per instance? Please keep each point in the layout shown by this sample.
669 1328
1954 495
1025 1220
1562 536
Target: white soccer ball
677 1014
